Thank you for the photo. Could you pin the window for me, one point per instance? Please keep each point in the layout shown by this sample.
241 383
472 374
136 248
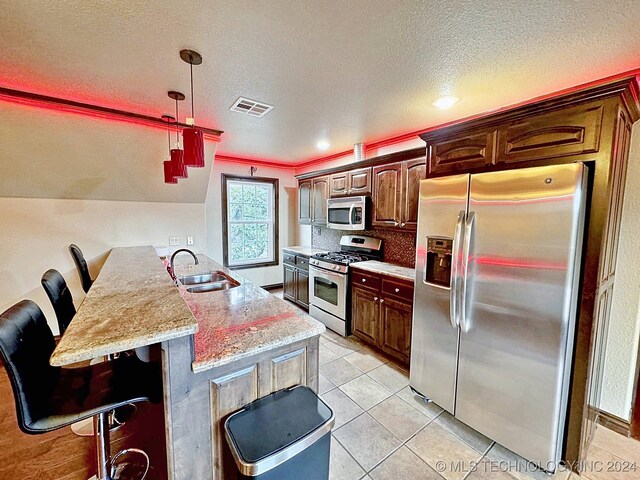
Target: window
250 219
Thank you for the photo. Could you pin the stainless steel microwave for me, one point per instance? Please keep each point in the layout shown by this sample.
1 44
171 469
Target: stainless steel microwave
348 213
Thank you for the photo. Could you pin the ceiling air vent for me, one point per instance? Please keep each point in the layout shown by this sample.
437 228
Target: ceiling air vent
251 107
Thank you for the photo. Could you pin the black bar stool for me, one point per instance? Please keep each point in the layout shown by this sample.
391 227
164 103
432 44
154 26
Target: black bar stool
81 265
62 301
48 398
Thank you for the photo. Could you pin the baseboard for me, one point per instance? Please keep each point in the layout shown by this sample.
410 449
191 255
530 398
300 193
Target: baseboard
613 422
274 286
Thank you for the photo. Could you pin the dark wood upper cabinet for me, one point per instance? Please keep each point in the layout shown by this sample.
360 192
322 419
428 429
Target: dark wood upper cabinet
449 154
360 181
569 131
387 195
338 184
353 182
413 171
320 194
304 201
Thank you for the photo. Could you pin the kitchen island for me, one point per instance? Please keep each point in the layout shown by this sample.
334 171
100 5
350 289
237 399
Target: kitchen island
219 349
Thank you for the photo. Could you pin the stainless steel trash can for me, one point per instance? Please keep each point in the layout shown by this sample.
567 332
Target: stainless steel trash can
283 436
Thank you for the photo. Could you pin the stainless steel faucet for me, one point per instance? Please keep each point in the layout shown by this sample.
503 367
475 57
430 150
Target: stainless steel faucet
177 252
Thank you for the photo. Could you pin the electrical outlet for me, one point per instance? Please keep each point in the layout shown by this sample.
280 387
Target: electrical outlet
189 240
174 241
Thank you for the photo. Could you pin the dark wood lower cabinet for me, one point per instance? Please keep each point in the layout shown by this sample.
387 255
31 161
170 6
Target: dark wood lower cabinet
365 314
296 279
383 319
303 288
395 326
289 283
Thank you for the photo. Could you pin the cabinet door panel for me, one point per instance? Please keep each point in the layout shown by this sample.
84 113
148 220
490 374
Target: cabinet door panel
461 153
360 181
365 315
303 288
412 172
304 202
289 369
338 185
289 283
387 193
320 188
395 336
571 131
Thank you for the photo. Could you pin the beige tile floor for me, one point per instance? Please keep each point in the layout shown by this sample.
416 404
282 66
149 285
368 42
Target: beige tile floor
383 431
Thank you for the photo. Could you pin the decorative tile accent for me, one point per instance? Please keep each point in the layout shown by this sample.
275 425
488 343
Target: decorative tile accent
398 247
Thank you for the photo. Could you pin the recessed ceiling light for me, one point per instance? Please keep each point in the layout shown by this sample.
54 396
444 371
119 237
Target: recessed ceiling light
445 102
323 145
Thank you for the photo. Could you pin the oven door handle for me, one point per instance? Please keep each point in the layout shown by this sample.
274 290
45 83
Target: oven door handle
322 271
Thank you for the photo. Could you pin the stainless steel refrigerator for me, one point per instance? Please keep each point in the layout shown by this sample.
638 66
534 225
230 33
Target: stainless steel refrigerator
497 278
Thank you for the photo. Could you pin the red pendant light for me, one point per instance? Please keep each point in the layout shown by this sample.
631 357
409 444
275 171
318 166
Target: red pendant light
193 138
167 165
177 154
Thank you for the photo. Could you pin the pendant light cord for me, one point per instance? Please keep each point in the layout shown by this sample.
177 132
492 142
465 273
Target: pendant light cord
177 134
191 65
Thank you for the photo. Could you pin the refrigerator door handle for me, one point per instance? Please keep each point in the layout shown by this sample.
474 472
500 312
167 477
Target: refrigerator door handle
455 260
465 320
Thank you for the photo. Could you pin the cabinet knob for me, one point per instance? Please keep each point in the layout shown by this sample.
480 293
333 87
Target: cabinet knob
375 299
397 290
395 224
382 300
364 280
403 224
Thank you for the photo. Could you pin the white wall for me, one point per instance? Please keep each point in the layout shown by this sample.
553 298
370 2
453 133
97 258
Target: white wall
287 209
624 324
36 234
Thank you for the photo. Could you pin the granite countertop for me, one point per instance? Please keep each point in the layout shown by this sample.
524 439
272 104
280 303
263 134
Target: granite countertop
133 303
303 250
239 322
390 269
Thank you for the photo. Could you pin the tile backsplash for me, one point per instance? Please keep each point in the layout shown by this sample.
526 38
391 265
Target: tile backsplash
398 247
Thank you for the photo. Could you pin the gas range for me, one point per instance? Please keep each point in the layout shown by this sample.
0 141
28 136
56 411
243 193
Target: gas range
353 248
337 261
329 280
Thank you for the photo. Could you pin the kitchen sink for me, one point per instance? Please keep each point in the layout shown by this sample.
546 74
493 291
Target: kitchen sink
211 287
202 278
207 282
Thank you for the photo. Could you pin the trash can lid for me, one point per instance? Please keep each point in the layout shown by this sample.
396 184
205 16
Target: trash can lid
274 428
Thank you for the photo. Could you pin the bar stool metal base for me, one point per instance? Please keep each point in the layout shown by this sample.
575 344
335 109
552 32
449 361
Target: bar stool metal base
108 467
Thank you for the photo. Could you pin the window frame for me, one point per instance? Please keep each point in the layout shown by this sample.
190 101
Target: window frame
225 220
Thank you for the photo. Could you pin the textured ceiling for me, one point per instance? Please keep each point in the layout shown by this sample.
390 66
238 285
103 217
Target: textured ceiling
347 71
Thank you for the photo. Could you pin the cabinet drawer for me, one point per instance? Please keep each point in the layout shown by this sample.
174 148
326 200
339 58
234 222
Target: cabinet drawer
289 258
397 288
365 280
302 262
570 131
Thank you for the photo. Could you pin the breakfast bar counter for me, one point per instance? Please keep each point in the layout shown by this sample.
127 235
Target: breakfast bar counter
220 345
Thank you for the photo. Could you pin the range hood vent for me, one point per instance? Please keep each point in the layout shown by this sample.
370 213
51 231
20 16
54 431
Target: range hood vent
251 107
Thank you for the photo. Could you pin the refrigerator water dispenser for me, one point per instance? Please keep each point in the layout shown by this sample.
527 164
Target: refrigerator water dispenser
438 268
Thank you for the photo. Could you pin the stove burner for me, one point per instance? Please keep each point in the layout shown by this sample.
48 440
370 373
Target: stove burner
341 257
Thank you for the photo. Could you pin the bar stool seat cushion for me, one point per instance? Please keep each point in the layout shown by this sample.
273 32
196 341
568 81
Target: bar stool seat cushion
47 397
